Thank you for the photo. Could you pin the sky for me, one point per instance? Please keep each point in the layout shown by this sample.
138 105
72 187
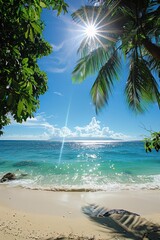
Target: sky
66 110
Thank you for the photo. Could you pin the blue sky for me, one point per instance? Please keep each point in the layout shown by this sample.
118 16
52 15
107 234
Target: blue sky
66 109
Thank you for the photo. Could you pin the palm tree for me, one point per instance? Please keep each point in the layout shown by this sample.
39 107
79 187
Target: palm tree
127 30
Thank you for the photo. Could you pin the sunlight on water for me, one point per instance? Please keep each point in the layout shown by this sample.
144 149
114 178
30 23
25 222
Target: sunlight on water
61 150
80 165
63 141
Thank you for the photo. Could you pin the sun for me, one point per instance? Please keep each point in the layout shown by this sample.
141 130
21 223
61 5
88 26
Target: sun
90 31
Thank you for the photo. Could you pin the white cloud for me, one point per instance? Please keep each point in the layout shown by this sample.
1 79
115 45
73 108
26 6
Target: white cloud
56 48
39 120
58 93
57 61
43 136
44 131
56 69
66 132
94 130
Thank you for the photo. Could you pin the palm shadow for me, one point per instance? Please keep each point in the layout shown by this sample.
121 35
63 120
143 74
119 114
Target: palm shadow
123 223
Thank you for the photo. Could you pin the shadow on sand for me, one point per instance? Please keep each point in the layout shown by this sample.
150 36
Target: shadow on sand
123 223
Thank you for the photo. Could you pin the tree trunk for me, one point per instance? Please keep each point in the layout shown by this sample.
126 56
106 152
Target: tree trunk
152 48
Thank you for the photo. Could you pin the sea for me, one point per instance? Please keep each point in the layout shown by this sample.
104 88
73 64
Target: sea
80 165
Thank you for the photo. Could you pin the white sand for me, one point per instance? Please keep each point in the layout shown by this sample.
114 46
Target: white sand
35 214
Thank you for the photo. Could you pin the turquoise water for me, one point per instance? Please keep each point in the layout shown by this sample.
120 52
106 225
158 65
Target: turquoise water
87 165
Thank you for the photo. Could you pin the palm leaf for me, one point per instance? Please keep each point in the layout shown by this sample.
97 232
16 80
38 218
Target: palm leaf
134 87
151 89
128 38
154 65
152 24
141 87
84 48
85 13
129 24
91 63
103 84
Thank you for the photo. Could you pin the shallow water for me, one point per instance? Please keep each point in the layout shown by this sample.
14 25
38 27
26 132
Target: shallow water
87 165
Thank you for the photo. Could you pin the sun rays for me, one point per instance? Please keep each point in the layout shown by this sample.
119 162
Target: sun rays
90 31
95 26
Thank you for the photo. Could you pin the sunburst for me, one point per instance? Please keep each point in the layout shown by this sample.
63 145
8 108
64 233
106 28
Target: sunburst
91 31
96 29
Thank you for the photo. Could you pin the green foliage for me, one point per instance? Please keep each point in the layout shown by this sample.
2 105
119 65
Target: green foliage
132 29
102 86
141 87
153 142
21 45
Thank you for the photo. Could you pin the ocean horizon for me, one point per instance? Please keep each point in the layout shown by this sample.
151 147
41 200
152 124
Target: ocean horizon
80 165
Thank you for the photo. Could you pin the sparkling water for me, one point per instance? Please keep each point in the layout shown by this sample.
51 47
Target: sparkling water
80 165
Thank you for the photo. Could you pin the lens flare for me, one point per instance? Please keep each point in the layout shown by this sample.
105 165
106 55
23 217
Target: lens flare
90 31
96 27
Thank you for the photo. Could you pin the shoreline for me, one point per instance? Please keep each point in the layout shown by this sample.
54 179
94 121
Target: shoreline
30 214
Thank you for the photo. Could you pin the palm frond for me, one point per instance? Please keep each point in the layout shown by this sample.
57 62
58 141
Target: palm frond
152 24
85 13
154 65
132 27
151 91
128 38
84 48
91 63
103 84
141 87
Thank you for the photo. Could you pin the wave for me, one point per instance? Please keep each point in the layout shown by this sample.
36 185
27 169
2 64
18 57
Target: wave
87 155
109 187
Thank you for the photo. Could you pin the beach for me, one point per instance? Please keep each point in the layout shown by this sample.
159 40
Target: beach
85 190
36 214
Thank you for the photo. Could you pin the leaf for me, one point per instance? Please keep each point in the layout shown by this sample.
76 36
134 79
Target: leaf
10 100
141 87
29 107
31 34
27 33
42 4
36 27
25 61
16 50
29 71
20 108
90 64
153 142
29 88
59 10
84 13
103 84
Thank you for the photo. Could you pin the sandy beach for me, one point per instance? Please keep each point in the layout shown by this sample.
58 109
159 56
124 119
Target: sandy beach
44 215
